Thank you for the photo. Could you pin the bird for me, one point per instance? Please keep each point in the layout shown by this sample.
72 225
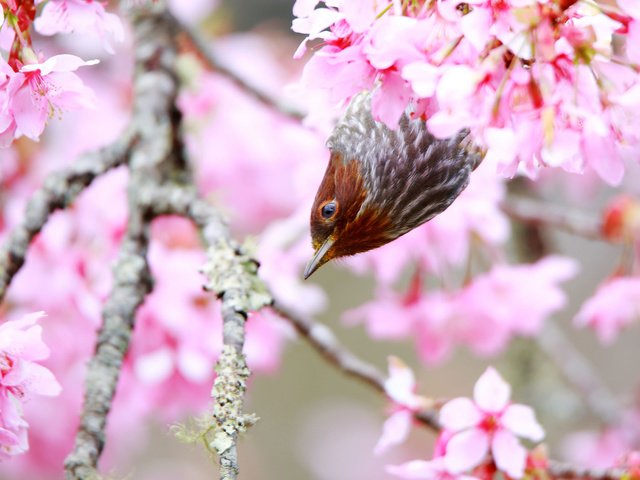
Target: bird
381 183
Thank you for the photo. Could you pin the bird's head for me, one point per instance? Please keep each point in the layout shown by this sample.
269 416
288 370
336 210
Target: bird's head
343 220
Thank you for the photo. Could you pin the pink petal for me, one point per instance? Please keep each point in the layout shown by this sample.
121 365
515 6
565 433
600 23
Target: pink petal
59 63
303 8
316 22
444 124
40 381
390 100
503 145
632 45
459 414
395 431
155 367
401 382
360 14
475 27
631 7
30 112
509 455
491 393
457 84
415 469
466 450
423 78
521 420
195 366
602 156
7 438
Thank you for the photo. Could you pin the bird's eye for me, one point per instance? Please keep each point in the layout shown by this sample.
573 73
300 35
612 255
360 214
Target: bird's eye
329 210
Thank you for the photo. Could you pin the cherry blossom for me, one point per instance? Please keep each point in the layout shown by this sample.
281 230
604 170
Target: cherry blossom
39 91
489 423
21 348
485 314
615 304
400 388
82 16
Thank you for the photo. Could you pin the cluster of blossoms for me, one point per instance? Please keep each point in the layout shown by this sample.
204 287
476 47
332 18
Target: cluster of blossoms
478 436
32 88
485 314
21 377
538 82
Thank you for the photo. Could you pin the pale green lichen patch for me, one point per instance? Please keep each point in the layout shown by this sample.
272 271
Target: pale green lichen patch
229 268
219 429
227 392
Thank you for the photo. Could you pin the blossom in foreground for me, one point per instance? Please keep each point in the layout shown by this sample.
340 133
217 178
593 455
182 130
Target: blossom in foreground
488 424
21 377
400 388
39 91
615 305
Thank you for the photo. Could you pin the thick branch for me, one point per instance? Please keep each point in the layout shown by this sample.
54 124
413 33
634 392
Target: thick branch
59 191
154 160
132 283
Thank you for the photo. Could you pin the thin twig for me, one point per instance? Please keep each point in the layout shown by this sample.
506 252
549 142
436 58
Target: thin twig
212 62
536 212
322 339
569 471
579 372
58 192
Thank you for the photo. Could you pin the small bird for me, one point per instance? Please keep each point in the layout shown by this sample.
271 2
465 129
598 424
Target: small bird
381 183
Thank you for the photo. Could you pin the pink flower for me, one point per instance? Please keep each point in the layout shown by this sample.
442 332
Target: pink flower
21 347
485 314
615 305
489 423
428 470
82 16
41 90
400 388
539 74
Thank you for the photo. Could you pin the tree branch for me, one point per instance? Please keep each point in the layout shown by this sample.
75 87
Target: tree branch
212 62
232 274
579 372
154 160
132 282
323 341
567 471
539 213
58 192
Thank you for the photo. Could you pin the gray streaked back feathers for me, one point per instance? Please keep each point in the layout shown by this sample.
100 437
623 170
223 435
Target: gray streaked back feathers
409 173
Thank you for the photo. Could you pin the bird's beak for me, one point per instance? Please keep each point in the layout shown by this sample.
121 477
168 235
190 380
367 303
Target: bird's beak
318 258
